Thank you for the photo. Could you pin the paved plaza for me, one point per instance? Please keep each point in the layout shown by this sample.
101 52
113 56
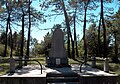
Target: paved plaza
35 71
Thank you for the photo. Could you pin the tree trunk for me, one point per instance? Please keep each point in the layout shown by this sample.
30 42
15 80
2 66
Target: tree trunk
5 51
116 48
73 51
22 41
75 37
15 41
84 29
8 20
115 58
28 41
72 42
98 52
68 29
11 41
104 30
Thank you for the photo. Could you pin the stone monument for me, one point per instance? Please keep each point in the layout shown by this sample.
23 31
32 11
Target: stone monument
57 54
106 65
12 65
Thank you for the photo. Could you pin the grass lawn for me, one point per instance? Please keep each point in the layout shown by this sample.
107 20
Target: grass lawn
4 68
4 64
42 61
113 67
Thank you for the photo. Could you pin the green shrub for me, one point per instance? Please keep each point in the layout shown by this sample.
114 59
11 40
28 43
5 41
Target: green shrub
8 51
2 48
114 67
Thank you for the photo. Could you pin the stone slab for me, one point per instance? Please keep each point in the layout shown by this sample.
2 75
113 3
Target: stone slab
27 71
12 65
86 71
32 74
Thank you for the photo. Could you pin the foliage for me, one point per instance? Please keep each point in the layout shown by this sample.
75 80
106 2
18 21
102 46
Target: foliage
2 38
113 31
4 68
44 46
2 50
91 37
114 68
16 43
70 9
80 48
71 61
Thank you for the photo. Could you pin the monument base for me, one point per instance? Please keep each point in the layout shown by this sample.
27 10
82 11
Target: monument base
57 62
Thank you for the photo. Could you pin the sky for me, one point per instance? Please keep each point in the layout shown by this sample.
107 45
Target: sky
39 34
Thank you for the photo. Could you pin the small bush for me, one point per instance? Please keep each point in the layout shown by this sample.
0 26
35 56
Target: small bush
2 48
114 67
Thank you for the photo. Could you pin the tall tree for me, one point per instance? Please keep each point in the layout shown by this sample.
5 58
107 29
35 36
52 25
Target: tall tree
115 58
7 25
15 41
68 32
75 37
29 30
91 37
75 6
104 29
116 34
84 29
11 39
22 41
113 25
99 26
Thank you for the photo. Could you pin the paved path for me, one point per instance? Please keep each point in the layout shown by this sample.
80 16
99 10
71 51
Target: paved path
86 71
28 71
35 71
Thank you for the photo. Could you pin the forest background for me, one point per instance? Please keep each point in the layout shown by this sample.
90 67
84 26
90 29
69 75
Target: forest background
91 28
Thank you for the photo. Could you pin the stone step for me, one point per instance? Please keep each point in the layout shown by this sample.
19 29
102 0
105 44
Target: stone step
65 83
62 78
68 74
59 80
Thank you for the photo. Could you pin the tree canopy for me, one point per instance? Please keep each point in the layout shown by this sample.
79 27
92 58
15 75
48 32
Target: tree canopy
99 22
